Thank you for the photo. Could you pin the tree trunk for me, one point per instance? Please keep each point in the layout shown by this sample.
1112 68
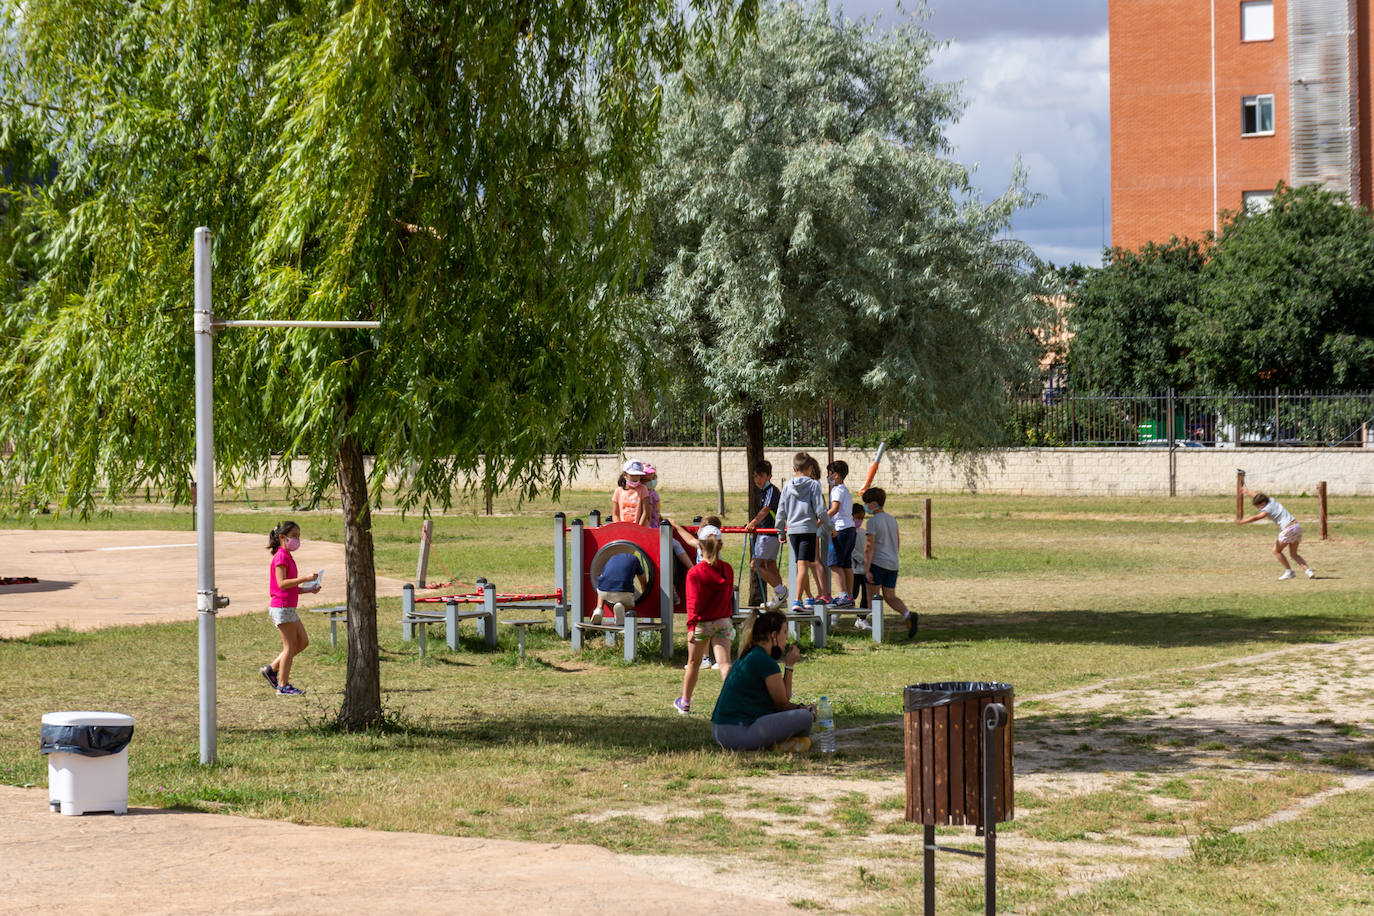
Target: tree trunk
362 705
753 454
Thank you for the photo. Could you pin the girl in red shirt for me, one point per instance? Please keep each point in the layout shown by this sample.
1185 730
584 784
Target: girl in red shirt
710 605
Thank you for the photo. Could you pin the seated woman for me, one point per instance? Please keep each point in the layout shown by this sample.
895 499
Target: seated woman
755 708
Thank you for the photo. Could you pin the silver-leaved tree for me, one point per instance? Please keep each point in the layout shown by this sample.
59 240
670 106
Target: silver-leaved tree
424 164
814 240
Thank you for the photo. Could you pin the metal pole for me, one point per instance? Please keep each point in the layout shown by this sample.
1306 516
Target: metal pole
994 721
720 476
1173 444
206 603
929 875
830 431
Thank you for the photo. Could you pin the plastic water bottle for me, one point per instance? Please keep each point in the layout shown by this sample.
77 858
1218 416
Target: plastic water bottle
825 726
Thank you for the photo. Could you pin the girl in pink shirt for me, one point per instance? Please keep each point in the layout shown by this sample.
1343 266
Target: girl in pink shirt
284 587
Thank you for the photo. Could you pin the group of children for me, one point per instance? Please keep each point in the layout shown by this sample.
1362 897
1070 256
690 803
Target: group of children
801 511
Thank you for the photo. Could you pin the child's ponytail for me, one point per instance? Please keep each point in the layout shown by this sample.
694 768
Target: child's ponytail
275 535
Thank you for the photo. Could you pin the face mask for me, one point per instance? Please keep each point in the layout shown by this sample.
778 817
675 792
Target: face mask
776 652
292 544
872 508
653 485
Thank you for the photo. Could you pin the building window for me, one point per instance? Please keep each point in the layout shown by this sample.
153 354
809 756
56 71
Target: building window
1257 201
1257 115
1257 20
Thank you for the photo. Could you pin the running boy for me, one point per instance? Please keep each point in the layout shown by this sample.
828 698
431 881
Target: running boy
881 553
799 510
841 512
766 546
1290 532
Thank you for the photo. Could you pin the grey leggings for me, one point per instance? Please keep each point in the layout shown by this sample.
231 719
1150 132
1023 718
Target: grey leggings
765 731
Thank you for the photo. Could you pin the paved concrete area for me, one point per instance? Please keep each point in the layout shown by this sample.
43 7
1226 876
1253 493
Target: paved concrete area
93 579
152 861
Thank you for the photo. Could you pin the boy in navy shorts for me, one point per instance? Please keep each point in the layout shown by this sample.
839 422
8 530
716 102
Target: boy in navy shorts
881 553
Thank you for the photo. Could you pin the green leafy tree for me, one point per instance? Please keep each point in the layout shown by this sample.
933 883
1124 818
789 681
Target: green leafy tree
420 163
1287 298
813 240
1125 317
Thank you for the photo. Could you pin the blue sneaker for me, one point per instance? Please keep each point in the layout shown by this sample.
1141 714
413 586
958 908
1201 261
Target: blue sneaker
809 603
267 672
682 707
287 690
843 601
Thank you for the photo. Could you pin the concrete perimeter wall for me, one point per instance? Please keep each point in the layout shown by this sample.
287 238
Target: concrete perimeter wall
1028 471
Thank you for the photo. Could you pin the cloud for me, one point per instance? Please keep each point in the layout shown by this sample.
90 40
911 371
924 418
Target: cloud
1043 99
970 20
1035 80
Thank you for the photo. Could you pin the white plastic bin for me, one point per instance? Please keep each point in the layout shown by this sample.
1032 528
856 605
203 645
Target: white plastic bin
82 775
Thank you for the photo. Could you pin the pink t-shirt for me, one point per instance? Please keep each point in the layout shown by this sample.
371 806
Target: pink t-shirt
282 597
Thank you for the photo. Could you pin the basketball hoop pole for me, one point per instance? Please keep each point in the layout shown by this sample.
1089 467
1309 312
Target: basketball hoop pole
208 599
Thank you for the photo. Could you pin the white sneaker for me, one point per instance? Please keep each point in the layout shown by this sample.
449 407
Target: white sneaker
596 615
862 624
1287 574
707 662
779 596
619 614
1311 573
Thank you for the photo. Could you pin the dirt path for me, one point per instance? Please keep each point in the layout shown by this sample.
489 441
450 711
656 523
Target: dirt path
93 579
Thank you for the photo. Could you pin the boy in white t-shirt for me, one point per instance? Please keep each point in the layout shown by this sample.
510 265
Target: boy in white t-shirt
1290 532
841 512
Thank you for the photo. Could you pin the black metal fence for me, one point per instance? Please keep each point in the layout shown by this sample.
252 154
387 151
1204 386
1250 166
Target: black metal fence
1057 418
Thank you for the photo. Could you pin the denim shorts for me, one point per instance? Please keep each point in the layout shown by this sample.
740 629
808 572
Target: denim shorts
841 551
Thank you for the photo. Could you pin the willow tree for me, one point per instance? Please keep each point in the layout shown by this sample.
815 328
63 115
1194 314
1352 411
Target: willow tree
815 240
424 164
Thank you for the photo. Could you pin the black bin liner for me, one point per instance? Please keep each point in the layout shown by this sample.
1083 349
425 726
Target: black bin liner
86 740
943 693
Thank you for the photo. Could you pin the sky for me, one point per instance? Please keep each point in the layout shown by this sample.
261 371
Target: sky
1035 82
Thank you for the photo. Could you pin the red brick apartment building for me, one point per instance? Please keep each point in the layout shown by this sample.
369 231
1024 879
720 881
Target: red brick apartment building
1213 102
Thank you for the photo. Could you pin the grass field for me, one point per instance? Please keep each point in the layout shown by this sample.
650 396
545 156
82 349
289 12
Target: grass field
1191 734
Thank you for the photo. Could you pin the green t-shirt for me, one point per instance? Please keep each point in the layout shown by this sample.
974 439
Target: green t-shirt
744 696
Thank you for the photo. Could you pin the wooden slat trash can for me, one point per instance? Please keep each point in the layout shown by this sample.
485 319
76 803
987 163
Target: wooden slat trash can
944 752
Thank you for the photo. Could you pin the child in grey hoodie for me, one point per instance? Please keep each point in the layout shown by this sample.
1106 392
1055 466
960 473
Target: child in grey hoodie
799 509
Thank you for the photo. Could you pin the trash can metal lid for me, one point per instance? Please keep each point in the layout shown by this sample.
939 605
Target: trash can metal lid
942 693
87 718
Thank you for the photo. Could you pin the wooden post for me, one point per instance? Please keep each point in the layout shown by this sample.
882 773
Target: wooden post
1240 494
1321 506
925 528
422 564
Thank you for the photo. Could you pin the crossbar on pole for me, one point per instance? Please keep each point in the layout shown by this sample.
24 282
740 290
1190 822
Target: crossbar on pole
252 323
